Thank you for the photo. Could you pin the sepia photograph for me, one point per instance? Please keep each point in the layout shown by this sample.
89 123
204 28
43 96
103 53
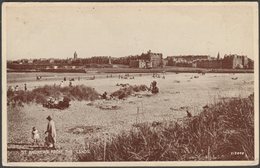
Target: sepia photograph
139 84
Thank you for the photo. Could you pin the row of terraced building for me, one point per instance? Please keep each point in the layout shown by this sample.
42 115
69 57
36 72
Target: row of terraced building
231 61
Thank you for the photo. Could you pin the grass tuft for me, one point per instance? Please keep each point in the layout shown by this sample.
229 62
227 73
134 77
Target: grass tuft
128 90
40 95
215 134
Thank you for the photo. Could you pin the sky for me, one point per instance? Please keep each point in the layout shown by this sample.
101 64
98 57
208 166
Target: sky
57 30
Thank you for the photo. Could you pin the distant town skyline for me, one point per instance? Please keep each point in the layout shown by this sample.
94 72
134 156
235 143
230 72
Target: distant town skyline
164 56
47 30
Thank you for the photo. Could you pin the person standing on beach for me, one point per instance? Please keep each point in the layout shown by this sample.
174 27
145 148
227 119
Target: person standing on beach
25 87
16 88
35 136
51 133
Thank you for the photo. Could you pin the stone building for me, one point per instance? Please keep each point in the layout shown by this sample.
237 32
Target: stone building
156 59
185 60
137 64
250 64
215 64
233 61
148 60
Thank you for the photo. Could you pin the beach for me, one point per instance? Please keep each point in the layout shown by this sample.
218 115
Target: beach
177 93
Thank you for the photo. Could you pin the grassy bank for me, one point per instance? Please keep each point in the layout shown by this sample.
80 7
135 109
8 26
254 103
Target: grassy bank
217 133
78 92
128 90
40 95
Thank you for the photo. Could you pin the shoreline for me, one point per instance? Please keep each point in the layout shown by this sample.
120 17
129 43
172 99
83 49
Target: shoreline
137 70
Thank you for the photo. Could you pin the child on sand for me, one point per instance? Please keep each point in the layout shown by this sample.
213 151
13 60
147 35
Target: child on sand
35 136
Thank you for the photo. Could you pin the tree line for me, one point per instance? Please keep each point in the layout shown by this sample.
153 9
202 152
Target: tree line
83 61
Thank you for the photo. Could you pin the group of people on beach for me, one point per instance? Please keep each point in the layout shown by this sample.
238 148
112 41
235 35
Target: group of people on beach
70 81
16 88
50 139
61 84
155 75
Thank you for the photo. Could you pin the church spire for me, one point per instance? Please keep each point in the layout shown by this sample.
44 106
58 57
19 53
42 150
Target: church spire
75 55
218 56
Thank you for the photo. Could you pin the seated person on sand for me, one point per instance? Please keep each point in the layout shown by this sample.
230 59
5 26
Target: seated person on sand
61 84
104 95
56 101
51 100
10 88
